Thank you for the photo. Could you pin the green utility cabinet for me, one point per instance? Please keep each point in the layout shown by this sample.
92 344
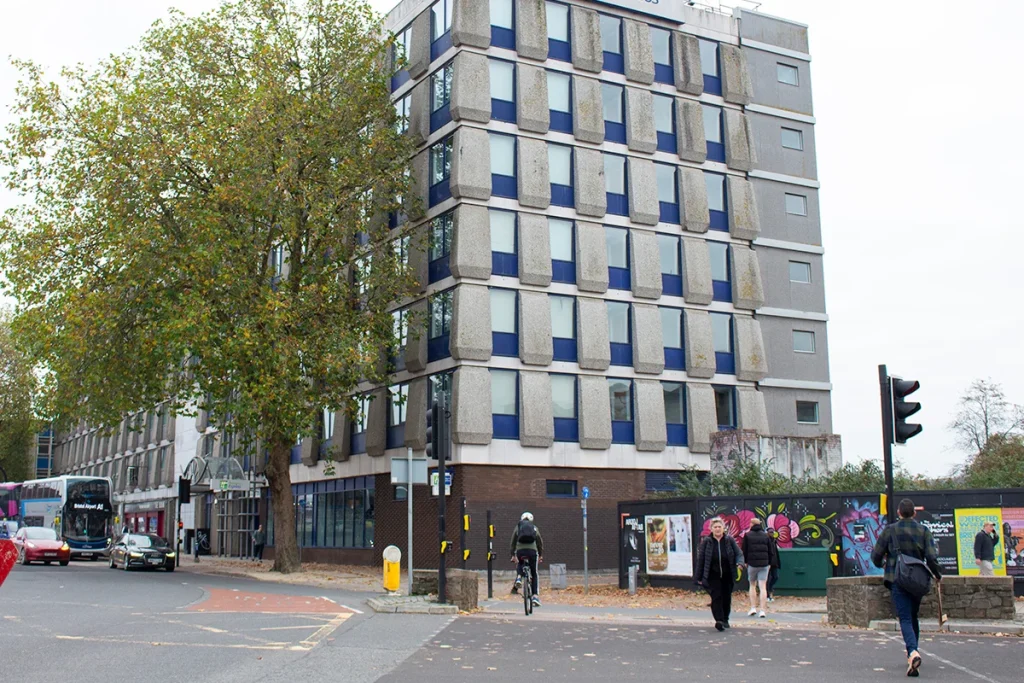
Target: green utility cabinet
803 571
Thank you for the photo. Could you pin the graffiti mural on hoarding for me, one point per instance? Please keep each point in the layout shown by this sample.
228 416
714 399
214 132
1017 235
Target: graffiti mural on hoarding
861 527
796 526
1013 541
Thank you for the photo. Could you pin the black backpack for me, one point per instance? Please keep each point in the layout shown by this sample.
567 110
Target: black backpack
912 574
527 532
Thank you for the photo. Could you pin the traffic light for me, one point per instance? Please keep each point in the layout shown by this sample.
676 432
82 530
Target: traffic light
902 409
433 430
184 491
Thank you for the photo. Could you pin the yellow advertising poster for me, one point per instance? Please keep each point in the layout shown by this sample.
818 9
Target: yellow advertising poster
968 523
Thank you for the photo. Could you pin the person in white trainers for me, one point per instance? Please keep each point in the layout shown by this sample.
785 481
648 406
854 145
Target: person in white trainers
757 551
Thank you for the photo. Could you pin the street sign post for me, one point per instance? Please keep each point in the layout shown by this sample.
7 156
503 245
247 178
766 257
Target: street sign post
586 573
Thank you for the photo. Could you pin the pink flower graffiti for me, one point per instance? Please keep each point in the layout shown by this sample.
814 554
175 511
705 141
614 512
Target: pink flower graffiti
786 529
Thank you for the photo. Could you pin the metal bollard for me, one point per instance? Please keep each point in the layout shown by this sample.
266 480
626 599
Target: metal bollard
632 579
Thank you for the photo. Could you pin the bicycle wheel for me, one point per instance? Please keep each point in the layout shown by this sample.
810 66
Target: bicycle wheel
527 593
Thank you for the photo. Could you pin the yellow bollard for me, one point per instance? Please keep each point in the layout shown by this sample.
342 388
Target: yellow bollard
392 568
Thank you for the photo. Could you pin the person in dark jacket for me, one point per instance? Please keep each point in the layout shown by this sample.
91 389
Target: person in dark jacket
527 548
906 537
720 556
776 564
985 548
757 550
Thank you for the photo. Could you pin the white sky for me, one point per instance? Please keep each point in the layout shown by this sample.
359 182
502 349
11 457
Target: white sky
919 148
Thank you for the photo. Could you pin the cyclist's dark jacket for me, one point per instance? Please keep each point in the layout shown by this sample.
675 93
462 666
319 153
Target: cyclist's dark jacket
516 545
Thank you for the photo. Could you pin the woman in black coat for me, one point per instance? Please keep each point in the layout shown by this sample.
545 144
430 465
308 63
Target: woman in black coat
720 556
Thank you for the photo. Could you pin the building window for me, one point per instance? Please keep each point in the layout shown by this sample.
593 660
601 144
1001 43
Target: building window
668 193
709 67
503 166
615 184
440 247
787 74
558 32
440 28
504 255
713 132
560 101
665 123
440 387
440 324
725 407
503 31
614 106
792 139
441 96
560 170
400 330
505 404
504 323
718 253
564 407
672 338
563 327
661 44
803 341
717 207
617 244
620 397
399 52
807 412
800 272
563 248
796 204
611 44
402 110
721 337
561 489
326 424
675 412
619 333
671 265
440 171
359 423
503 90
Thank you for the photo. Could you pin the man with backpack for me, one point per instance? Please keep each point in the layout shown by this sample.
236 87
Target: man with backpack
527 549
907 550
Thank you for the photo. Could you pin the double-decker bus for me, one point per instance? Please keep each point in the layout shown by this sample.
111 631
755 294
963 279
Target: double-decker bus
77 508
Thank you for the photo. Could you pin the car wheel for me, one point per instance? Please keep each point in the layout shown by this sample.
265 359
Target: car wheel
111 563
23 558
125 567
64 563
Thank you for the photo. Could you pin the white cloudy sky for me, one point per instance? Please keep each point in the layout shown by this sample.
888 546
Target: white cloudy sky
919 144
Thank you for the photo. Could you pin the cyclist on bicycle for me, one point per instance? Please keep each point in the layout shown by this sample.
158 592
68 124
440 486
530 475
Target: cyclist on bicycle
527 549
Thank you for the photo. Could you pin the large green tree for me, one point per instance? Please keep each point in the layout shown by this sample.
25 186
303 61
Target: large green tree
18 422
201 223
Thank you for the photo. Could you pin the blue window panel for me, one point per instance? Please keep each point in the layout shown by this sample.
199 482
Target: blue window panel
506 38
719 220
564 349
441 45
438 348
622 354
668 212
712 85
672 284
616 63
563 271
504 264
296 454
716 152
440 117
399 79
622 432
618 204
722 290
440 192
560 50
505 343
358 442
667 142
505 426
725 363
439 269
567 429
503 110
504 186
663 73
674 359
618 278
676 435
615 132
397 362
562 195
396 436
561 121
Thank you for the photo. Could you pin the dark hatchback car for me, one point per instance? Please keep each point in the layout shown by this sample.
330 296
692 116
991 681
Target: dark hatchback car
141 551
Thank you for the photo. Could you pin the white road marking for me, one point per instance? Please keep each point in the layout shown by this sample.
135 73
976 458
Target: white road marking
351 608
326 630
157 643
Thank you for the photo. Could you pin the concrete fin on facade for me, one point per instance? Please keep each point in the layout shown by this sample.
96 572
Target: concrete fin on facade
638 53
752 412
471 23
693 200
744 218
416 343
531 29
651 433
419 113
416 414
418 57
591 258
341 443
377 423
471 329
699 343
585 25
645 264
536 421
701 416
471 88
736 84
641 135
751 361
747 287
697 285
588 111
648 347
534 175
740 152
595 413
534 250
532 107
591 197
643 192
535 344
690 141
471 405
592 334
686 63
471 165
471 243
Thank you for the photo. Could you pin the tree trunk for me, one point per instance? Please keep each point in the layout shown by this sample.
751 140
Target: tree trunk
286 551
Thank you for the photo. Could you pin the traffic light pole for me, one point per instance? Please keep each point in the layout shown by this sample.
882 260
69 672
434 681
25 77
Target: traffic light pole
885 388
440 430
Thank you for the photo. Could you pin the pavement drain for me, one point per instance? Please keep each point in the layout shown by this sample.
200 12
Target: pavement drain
409 604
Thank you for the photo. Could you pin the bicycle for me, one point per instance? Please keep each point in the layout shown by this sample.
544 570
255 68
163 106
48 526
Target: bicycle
527 589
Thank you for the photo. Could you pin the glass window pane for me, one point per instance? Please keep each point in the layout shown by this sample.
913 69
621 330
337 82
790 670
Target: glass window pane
560 164
503 231
666 183
718 252
709 58
716 191
799 272
358 518
611 34
503 310
789 75
441 87
724 406
503 155
611 99
618 322
501 13
712 123
672 328
558 21
661 41
437 20
502 80
399 393
563 396
675 405
803 341
560 233
668 251
563 316
618 395
796 204
807 412
792 139
615 240
558 92
614 174
440 236
663 122
503 392
721 326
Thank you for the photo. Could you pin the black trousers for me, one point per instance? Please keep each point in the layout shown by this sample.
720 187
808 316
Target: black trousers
773 577
528 557
720 589
257 552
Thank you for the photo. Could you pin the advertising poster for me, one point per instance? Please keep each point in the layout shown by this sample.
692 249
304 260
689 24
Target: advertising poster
943 528
968 524
634 542
1011 536
669 542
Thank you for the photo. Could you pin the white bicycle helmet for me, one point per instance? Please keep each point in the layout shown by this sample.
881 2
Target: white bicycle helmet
527 516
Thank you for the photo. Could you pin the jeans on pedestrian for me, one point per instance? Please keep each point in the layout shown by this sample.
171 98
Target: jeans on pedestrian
986 568
257 552
907 608
720 589
773 576
528 557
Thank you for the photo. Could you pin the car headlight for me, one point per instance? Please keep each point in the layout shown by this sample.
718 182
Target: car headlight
30 544
65 547
136 555
170 555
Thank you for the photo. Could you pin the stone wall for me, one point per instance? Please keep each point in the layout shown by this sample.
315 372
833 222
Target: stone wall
462 587
859 600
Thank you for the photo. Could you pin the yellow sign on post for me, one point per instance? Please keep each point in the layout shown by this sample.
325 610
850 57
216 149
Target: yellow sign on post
392 568
969 522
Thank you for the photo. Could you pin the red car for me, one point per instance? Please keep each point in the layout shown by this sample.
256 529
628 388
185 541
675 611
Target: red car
40 544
